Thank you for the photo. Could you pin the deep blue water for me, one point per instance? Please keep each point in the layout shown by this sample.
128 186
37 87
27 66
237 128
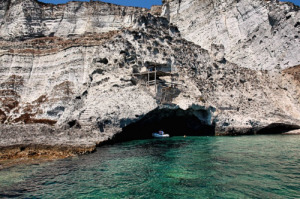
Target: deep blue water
192 167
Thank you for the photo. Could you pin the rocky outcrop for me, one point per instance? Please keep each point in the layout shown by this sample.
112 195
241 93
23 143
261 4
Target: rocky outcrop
256 34
91 86
91 82
31 143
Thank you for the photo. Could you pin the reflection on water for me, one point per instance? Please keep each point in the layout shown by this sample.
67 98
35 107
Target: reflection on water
192 167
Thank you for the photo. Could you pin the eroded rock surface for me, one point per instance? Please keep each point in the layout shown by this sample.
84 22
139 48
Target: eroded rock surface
257 34
23 19
31 143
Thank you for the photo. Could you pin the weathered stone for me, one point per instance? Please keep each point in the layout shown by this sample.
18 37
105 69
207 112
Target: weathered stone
23 19
256 34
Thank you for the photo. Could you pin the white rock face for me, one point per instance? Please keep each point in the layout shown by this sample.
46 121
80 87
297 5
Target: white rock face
21 19
255 34
89 79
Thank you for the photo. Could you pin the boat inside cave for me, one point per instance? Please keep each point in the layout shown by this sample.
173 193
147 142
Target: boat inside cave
175 122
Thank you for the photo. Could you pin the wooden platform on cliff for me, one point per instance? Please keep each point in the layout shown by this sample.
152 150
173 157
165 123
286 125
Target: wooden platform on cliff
165 90
163 84
152 73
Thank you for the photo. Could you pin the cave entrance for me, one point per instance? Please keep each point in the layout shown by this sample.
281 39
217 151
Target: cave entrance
278 128
175 122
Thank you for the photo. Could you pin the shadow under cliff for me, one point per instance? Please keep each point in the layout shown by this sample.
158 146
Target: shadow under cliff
278 128
175 122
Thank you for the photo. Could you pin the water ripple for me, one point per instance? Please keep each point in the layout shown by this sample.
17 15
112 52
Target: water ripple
192 167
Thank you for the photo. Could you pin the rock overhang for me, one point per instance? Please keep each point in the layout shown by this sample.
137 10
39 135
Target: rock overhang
172 120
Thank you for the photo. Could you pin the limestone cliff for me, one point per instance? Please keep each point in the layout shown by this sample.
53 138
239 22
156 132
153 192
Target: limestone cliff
82 67
23 19
257 34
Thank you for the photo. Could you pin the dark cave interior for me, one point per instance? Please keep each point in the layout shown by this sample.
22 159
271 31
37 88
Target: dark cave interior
277 128
178 122
175 122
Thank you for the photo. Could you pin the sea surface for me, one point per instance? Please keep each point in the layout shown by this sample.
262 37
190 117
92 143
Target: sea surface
177 167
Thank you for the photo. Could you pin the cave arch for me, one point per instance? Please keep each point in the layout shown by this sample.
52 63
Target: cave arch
278 128
175 122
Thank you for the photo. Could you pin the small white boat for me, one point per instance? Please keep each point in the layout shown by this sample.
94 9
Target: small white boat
157 135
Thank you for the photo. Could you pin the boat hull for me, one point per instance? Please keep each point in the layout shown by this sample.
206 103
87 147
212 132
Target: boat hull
156 135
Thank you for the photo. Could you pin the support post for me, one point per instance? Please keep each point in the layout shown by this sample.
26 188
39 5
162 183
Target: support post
148 78
155 80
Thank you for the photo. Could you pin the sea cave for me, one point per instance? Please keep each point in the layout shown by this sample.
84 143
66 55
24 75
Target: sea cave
175 122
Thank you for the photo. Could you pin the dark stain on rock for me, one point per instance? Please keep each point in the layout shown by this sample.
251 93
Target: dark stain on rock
63 89
54 112
41 99
9 103
27 119
74 124
14 82
3 116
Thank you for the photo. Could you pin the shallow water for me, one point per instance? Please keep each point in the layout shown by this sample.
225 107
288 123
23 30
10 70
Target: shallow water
192 167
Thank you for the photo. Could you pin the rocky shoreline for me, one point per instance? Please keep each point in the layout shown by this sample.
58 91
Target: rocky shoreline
32 154
21 144
31 144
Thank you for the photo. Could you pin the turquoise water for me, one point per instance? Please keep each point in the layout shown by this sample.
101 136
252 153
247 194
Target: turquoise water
192 167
